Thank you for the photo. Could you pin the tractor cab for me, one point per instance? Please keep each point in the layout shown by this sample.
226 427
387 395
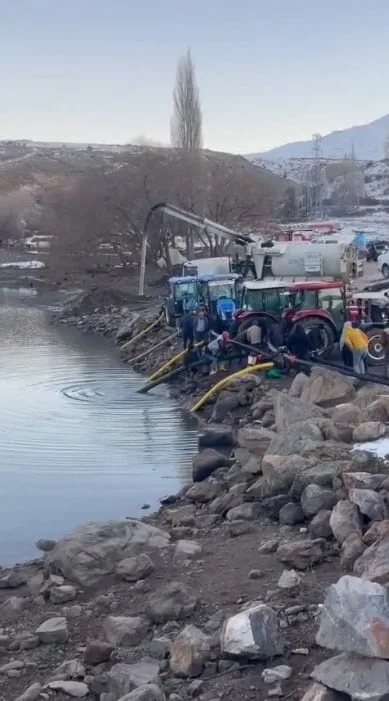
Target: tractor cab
220 294
262 299
183 297
318 298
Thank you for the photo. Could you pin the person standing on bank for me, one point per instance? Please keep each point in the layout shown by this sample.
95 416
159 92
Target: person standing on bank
357 342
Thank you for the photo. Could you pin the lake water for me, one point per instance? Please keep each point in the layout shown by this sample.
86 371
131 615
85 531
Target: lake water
77 443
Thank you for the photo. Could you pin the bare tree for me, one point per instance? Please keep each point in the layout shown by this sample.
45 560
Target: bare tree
186 123
186 136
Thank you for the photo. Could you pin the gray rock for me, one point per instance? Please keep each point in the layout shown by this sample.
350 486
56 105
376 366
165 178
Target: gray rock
362 480
355 618
269 546
248 511
290 514
63 594
255 438
351 549
92 551
289 579
326 387
368 431
54 630
318 692
45 544
280 673
97 651
252 634
125 631
187 550
159 648
345 519
300 437
12 580
216 436
173 601
32 693
377 531
76 690
124 678
322 473
279 473
271 506
132 569
289 410
301 554
347 414
207 462
320 527
184 516
315 498
189 652
149 692
202 492
253 465
299 383
369 503
11 609
362 678
238 528
373 564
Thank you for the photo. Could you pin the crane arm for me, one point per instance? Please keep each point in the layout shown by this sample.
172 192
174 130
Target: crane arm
205 225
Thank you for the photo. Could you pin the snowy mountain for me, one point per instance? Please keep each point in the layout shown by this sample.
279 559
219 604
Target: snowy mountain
367 141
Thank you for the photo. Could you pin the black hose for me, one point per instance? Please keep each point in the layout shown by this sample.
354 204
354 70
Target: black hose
205 360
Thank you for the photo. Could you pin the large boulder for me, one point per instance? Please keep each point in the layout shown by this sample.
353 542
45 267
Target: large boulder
173 601
255 438
355 618
347 414
318 692
207 462
361 678
369 503
290 410
189 652
279 471
327 387
124 678
298 385
368 431
345 519
374 563
252 634
215 436
351 549
362 480
203 492
301 554
152 692
299 437
377 531
92 551
125 631
322 474
369 393
315 498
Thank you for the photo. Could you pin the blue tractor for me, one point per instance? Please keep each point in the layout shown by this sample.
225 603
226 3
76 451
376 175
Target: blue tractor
183 297
220 294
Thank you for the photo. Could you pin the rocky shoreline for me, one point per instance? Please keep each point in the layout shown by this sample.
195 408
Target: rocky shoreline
265 577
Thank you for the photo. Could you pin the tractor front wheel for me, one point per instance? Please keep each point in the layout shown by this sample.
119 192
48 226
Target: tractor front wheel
376 351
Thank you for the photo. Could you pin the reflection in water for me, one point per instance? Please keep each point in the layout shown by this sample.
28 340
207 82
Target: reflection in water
76 441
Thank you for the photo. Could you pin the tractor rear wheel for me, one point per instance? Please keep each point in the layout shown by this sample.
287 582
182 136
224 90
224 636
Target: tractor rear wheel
376 352
320 334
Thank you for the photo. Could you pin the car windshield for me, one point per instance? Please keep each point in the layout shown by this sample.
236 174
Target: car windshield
222 289
184 289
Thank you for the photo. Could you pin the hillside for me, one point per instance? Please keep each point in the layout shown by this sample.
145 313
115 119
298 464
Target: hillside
366 139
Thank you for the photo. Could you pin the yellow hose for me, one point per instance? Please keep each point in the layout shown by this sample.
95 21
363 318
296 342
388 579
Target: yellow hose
169 363
141 333
226 380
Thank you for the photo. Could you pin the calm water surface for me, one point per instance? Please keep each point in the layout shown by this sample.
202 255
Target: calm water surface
76 441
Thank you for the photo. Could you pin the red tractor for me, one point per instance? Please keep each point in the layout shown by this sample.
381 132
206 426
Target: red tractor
319 305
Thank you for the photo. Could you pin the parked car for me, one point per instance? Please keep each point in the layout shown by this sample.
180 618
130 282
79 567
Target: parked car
375 248
383 264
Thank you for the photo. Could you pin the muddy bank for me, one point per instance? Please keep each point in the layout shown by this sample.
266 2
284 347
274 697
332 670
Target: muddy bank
220 593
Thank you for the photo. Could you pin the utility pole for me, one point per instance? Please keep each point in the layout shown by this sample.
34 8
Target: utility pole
317 183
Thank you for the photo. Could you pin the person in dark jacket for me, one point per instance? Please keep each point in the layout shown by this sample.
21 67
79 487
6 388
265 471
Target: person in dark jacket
187 326
298 342
201 327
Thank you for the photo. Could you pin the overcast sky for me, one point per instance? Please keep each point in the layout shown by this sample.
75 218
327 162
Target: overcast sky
269 72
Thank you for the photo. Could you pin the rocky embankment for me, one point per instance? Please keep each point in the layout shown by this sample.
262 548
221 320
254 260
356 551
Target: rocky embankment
264 578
